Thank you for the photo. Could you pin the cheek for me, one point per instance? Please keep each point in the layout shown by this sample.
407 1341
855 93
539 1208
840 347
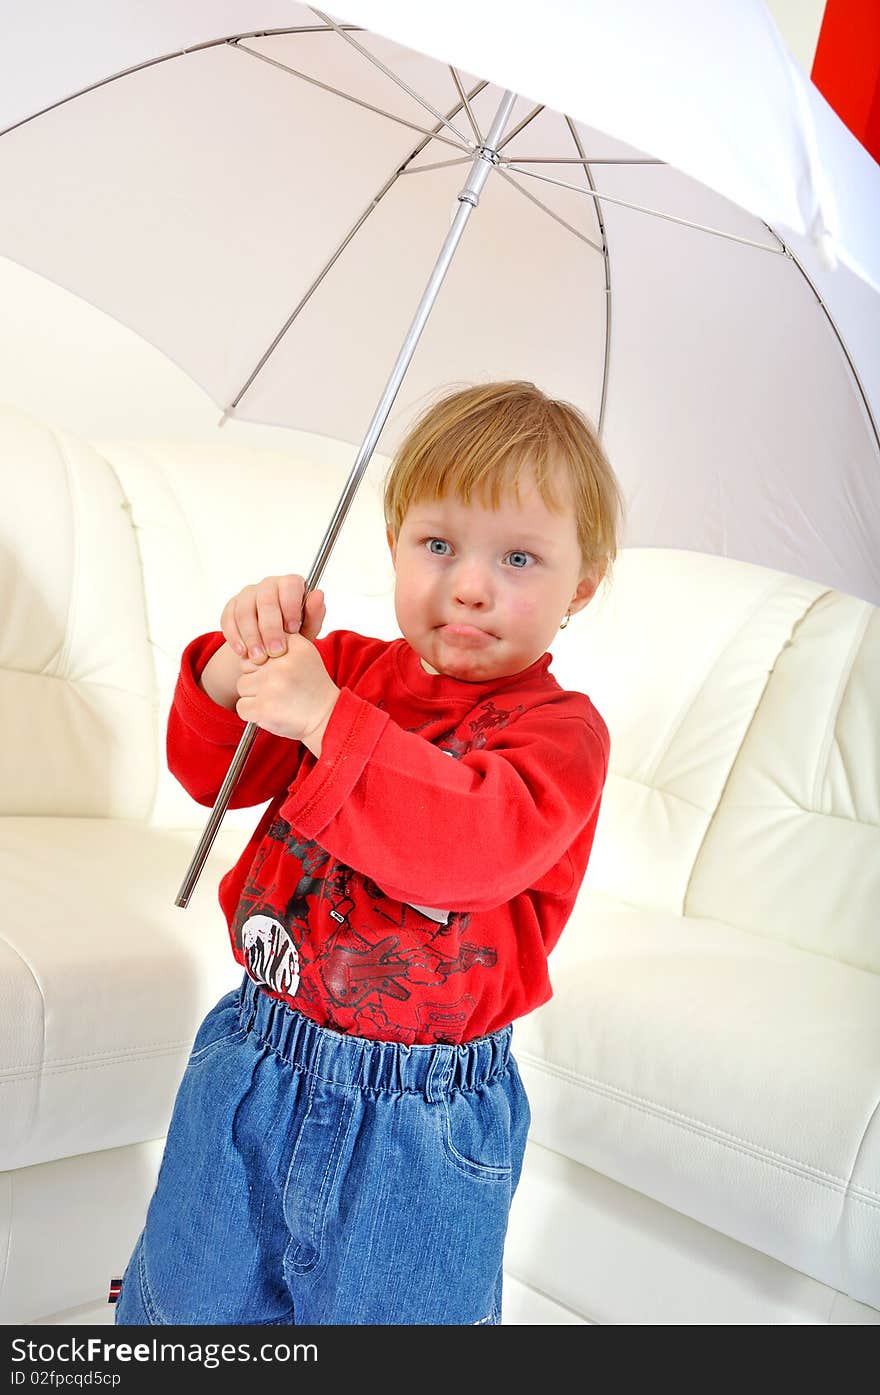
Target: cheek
521 623
409 590
532 611
522 608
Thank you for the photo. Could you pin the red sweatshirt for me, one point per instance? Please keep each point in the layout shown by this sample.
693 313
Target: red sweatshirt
389 891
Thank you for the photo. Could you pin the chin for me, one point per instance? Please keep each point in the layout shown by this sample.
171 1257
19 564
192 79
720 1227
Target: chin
453 665
471 670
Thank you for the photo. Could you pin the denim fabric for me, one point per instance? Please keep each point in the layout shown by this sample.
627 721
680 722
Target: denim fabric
314 1177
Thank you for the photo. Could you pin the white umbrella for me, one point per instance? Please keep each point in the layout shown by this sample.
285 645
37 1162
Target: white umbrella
674 231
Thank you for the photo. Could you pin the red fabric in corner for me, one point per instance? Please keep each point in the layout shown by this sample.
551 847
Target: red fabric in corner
846 67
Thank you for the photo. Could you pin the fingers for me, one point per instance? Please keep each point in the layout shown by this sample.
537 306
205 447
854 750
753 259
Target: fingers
239 623
230 627
269 618
256 621
291 590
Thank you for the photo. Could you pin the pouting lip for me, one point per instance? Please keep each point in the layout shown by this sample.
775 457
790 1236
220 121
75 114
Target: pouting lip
466 631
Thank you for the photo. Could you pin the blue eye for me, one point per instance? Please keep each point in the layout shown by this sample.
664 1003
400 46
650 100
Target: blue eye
437 550
519 559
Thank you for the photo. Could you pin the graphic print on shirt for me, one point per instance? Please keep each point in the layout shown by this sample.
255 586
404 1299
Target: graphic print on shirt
489 718
265 940
270 955
349 954
327 948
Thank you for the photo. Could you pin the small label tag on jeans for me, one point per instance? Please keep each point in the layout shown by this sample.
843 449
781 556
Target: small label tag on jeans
115 1290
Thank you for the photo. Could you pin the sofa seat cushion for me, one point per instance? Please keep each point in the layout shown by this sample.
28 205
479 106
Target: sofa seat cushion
103 980
729 1076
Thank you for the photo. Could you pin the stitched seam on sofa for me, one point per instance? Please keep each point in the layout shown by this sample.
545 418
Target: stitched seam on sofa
851 1186
771 592
39 987
5 1270
157 465
544 1293
709 1131
75 572
31 1074
824 753
657 789
77 683
116 1053
791 805
713 814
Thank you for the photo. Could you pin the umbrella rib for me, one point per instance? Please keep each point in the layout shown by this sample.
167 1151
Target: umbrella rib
228 39
374 202
544 207
639 208
591 160
389 73
440 165
467 106
327 267
837 334
588 175
536 111
337 91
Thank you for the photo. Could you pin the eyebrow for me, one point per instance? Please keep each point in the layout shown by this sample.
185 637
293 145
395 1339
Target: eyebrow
429 522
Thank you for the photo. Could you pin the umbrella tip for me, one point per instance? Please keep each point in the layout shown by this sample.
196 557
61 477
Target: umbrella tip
224 419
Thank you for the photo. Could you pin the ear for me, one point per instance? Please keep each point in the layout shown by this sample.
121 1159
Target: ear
587 587
392 546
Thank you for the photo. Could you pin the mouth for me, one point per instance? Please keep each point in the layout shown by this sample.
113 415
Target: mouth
466 636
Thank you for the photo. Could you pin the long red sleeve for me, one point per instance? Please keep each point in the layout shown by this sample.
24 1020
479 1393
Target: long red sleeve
202 738
466 835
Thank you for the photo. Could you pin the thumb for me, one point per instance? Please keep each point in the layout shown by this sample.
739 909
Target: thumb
314 614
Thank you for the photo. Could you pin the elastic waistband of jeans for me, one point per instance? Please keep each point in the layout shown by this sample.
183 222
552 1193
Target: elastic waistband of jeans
431 1069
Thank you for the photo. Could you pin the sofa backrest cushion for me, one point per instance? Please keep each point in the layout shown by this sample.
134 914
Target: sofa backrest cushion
744 712
794 848
76 676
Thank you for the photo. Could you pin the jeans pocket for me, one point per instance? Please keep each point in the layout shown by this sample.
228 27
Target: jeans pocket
476 1131
222 1024
321 1152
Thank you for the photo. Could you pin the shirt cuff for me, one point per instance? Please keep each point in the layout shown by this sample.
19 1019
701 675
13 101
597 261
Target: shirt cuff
352 733
207 718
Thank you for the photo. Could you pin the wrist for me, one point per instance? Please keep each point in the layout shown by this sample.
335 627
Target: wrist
314 737
219 677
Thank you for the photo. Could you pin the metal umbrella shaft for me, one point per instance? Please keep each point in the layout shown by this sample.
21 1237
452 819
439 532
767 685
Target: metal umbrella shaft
469 197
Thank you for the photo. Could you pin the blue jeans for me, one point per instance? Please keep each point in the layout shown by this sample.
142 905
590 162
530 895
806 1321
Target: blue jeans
313 1177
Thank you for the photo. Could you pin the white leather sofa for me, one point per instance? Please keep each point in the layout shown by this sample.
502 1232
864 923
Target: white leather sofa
705 1140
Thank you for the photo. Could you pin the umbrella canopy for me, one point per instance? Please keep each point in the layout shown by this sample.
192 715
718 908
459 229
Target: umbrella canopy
676 236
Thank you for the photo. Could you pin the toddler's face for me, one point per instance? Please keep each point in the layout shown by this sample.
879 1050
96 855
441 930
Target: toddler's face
480 592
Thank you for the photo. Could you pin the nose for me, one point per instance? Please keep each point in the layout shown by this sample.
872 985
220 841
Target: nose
472 585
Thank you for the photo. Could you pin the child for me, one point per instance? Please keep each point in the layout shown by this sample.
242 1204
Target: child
349 1131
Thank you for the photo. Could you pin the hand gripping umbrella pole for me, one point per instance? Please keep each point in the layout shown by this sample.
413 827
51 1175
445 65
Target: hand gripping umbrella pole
469 197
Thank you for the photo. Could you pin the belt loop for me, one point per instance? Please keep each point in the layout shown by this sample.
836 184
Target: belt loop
251 991
439 1074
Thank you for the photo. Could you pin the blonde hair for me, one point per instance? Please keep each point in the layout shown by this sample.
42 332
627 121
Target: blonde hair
479 440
